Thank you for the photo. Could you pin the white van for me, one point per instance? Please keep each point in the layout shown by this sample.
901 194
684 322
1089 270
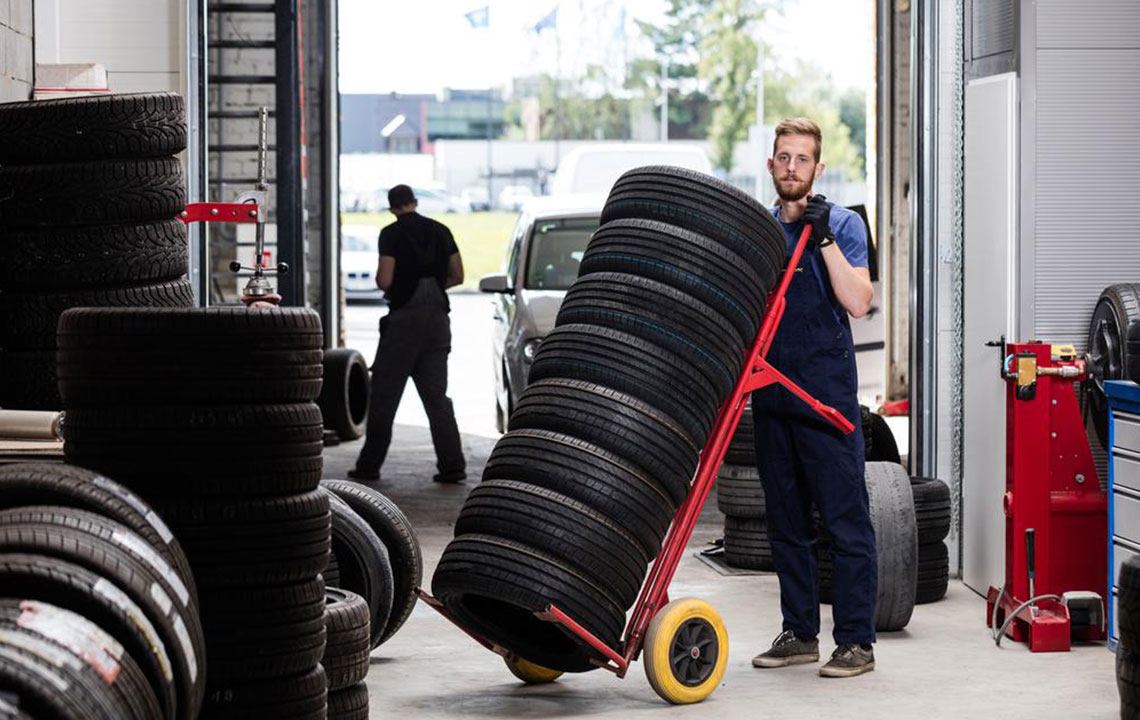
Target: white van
595 168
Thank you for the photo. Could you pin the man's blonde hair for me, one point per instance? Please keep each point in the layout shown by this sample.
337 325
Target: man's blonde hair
799 126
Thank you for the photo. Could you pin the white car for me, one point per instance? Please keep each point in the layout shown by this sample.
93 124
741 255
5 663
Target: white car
542 261
512 197
476 198
359 257
595 168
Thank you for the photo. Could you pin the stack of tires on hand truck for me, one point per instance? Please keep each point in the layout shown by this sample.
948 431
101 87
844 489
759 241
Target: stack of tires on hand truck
577 497
89 194
98 608
208 415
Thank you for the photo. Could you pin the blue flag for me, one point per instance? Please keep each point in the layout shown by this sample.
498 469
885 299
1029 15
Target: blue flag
550 21
479 18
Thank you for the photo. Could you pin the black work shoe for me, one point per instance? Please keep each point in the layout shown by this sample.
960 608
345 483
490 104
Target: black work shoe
451 476
849 661
364 475
787 649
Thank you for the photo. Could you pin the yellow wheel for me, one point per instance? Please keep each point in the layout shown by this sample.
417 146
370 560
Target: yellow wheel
686 651
530 673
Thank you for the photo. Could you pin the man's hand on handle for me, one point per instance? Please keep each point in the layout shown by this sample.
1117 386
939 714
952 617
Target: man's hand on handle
818 215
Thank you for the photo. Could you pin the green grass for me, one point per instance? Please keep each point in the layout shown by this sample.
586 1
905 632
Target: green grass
481 237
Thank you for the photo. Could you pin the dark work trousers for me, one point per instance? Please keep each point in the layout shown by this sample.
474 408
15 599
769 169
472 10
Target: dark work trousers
415 341
804 461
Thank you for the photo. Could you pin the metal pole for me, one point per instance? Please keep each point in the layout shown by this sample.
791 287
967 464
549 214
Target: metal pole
665 99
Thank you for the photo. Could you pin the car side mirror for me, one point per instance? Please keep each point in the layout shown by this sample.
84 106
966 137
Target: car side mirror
496 283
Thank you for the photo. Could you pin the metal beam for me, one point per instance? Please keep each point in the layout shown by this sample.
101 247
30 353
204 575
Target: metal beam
290 195
923 253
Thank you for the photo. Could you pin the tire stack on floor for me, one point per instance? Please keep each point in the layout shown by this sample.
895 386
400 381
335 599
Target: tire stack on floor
1128 636
208 414
576 498
740 496
896 544
89 193
932 513
375 567
98 609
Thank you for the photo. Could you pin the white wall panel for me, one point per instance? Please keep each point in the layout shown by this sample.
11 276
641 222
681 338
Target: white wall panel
989 252
138 41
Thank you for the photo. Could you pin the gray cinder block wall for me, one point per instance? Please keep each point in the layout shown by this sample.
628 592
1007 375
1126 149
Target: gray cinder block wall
17 63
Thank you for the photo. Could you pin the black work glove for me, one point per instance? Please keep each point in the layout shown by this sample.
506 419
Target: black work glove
818 215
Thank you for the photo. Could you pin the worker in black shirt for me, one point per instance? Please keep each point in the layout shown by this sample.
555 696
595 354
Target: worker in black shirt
418 262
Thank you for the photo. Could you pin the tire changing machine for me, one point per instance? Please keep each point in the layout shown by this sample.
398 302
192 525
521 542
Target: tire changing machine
1056 514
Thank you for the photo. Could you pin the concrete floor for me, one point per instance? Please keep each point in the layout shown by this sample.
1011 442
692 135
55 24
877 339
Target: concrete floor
944 665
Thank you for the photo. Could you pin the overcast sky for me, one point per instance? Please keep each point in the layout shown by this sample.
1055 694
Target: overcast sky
427 45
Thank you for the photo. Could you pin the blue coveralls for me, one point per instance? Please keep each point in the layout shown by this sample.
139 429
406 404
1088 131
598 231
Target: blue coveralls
803 460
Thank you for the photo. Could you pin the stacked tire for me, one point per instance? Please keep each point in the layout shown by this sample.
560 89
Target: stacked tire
576 498
932 514
376 555
345 398
1128 646
896 545
98 609
208 415
346 654
740 496
89 193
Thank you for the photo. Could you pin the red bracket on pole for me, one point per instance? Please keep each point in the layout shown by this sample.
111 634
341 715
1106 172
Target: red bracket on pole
220 212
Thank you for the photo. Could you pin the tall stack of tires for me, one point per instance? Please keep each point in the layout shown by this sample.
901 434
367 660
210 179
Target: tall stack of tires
896 545
740 496
98 608
932 513
1128 632
89 194
208 414
576 498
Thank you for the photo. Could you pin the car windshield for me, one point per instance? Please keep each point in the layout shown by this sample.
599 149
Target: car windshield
555 251
359 242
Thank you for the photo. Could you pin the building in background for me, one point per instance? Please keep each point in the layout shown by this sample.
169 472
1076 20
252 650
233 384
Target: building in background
417 121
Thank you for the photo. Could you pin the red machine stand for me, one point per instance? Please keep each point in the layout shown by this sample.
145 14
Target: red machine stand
1056 515
653 618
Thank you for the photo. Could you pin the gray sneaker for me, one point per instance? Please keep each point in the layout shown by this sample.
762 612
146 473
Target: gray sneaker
849 661
787 649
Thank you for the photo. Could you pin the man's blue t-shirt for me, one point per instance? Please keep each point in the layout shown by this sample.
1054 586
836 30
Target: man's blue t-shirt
850 236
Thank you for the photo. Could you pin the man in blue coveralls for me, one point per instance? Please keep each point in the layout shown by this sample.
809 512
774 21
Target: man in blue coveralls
803 461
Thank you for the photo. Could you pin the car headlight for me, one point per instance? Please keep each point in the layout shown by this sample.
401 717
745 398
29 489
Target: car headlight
530 347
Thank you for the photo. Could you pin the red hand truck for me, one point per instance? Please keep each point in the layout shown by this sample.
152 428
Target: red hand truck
685 640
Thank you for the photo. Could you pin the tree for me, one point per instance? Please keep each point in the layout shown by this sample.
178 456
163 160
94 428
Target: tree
678 39
807 92
853 114
728 66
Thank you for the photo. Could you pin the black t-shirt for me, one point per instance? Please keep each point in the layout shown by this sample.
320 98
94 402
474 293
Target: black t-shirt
422 248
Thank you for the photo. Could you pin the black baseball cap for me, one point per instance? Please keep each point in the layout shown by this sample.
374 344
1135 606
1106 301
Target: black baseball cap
400 195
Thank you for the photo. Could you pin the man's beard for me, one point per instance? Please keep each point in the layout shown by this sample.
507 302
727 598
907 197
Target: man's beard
790 192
